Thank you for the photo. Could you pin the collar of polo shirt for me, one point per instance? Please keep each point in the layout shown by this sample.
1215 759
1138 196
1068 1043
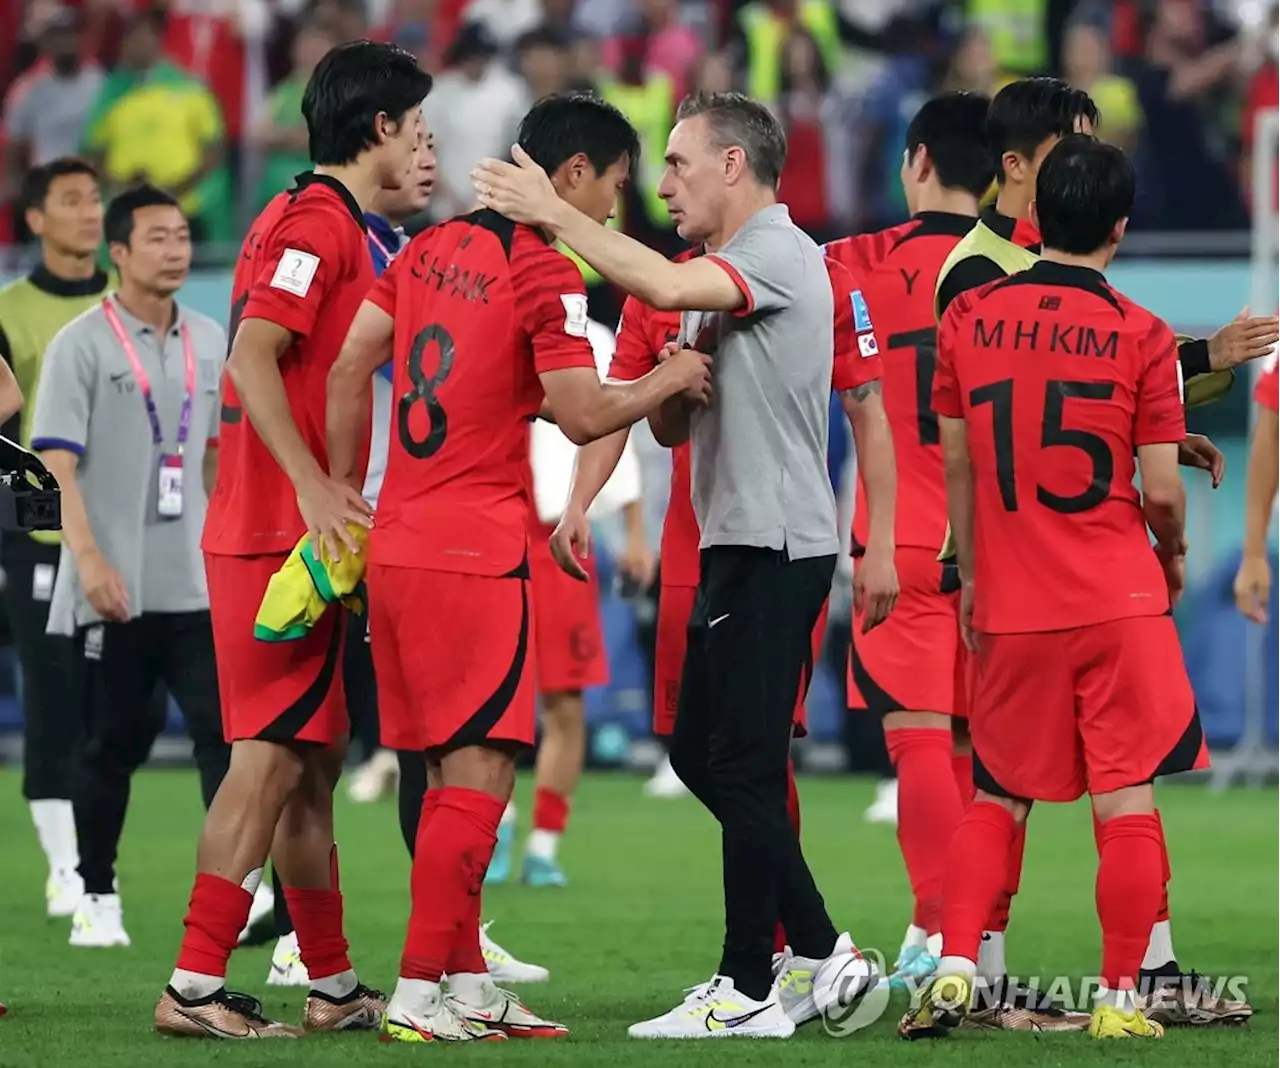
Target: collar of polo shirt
137 326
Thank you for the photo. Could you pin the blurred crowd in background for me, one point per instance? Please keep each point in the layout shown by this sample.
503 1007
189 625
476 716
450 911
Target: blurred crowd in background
202 97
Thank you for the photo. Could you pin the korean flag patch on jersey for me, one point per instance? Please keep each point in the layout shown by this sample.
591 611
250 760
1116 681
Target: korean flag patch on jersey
867 344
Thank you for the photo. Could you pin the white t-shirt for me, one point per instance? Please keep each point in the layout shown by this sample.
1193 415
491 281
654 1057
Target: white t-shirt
552 454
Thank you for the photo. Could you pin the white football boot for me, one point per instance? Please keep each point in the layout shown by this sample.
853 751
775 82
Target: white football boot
287 968
62 893
717 1010
480 1001
884 809
98 922
503 967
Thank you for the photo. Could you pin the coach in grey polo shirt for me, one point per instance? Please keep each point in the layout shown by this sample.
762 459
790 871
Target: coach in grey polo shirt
767 514
125 416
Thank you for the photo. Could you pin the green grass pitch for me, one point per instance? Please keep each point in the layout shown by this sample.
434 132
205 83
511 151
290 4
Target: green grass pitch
639 921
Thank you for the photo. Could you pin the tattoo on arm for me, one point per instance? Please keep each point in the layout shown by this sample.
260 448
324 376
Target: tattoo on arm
862 392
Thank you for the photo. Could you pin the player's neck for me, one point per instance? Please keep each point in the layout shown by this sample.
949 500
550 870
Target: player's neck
361 182
154 309
1012 202
69 266
1094 261
949 201
736 216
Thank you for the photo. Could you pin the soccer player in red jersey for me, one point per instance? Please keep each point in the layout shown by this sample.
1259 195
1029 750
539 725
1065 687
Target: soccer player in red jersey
643 334
488 323
302 273
1047 384
910 671
1253 580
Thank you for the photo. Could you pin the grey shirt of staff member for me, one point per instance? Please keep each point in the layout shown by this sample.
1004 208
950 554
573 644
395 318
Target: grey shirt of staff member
759 451
89 404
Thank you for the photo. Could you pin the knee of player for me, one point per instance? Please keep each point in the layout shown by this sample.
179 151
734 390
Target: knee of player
1139 800
1018 808
563 711
489 769
264 773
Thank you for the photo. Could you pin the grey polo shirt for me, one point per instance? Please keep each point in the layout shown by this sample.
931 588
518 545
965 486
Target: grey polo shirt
89 403
760 450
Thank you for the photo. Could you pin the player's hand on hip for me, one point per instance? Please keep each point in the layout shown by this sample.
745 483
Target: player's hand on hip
875 588
327 506
1253 588
691 370
1243 339
571 543
521 191
967 634
103 586
1198 451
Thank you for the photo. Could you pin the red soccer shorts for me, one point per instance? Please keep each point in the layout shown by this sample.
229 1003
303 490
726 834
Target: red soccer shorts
1091 710
914 661
453 657
566 619
675 606
272 691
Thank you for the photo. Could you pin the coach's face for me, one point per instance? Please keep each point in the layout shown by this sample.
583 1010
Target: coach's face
693 184
157 256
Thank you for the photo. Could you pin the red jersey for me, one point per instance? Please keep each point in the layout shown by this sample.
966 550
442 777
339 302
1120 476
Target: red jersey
1059 378
1267 391
482 307
304 266
863 253
899 290
643 332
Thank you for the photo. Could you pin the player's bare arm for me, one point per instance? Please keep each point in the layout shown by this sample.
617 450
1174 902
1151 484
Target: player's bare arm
1253 580
254 369
102 584
1164 504
587 409
593 465
954 440
523 192
875 579
349 391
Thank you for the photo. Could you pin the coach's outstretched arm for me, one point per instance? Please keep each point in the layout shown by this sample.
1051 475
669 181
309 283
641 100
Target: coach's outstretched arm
1253 580
254 369
523 192
1164 504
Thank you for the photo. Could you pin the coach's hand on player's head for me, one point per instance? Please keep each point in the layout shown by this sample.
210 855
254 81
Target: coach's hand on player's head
1245 338
327 506
875 587
521 191
571 542
103 586
1253 588
691 368
1198 451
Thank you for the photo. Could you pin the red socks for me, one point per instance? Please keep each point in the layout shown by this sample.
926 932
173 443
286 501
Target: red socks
793 811
317 918
999 918
550 810
929 810
451 856
1129 888
218 911
1162 914
962 769
975 875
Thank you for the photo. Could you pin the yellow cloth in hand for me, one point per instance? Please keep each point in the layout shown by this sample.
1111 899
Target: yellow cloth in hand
302 590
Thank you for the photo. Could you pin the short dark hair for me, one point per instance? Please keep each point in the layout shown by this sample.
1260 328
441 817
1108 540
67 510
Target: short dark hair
737 120
1026 113
560 126
118 225
1085 186
953 128
37 182
349 89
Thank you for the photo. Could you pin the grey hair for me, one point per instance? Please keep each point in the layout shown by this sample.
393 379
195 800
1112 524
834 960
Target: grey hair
735 120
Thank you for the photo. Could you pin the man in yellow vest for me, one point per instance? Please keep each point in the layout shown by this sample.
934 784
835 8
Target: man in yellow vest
63 208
